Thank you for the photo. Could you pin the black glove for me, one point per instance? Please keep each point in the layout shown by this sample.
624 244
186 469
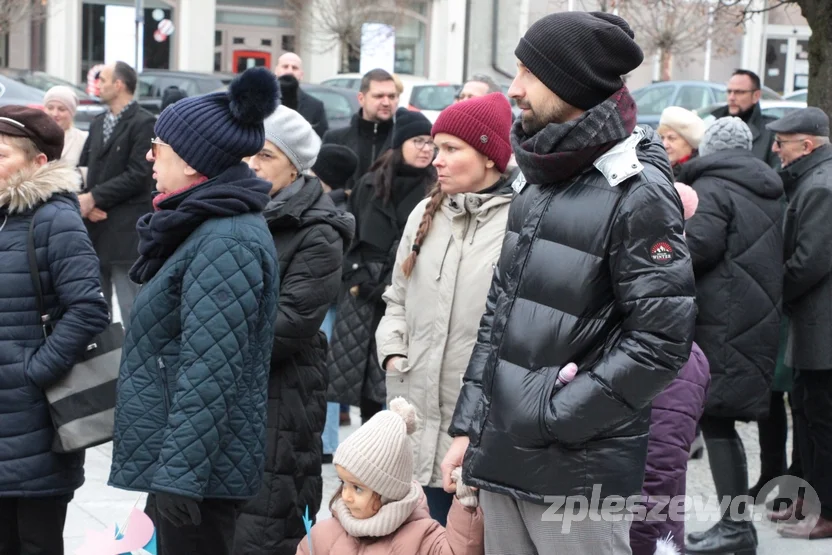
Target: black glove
181 511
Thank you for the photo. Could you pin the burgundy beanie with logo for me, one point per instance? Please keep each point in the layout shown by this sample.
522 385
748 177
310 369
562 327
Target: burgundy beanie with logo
484 123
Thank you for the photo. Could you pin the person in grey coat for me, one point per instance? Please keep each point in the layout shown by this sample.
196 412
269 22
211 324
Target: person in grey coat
802 143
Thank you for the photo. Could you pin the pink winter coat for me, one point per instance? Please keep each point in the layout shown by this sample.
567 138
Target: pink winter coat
418 535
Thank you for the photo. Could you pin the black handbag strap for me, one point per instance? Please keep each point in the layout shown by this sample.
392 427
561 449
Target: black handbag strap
35 274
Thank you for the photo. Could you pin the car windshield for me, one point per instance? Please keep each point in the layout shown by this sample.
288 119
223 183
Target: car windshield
433 97
652 100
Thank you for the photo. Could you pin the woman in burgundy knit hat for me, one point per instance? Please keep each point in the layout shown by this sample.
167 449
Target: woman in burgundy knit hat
443 270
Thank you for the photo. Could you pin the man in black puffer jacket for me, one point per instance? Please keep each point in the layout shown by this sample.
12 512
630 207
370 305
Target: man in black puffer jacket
594 270
736 245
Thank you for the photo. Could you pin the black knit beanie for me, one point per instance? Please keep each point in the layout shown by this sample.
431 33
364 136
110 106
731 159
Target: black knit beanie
335 165
408 125
580 56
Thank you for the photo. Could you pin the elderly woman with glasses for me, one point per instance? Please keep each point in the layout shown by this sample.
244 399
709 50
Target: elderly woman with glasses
381 203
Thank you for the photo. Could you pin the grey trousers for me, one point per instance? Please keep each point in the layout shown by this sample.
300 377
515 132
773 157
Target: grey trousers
115 277
523 528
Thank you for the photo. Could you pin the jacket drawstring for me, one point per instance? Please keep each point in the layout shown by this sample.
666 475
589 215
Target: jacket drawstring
5 219
476 227
444 256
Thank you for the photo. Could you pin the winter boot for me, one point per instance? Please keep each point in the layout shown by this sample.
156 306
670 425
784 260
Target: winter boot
730 472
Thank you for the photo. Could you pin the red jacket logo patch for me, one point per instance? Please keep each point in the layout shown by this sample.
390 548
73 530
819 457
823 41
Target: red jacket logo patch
661 252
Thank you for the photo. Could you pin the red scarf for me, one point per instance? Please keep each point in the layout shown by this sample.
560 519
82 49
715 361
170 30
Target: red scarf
161 197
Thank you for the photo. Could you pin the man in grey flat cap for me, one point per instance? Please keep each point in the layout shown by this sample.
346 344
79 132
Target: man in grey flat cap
802 143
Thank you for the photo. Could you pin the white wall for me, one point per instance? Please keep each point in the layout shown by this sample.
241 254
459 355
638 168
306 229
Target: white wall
63 40
447 41
196 24
319 61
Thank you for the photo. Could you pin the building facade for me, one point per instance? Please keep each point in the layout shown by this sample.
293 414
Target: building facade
444 40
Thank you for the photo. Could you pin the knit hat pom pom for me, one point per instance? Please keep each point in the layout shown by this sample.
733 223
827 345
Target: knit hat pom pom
406 411
253 96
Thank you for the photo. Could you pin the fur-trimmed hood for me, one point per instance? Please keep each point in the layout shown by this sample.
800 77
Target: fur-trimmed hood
30 188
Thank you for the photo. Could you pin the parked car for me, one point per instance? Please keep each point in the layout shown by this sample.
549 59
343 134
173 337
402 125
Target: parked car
352 81
431 99
88 106
339 104
772 108
153 82
798 96
693 95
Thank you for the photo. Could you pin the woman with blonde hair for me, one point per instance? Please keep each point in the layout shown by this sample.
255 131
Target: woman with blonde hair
444 265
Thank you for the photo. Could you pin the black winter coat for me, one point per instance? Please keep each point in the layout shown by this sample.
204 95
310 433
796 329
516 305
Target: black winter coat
354 370
310 236
312 111
736 245
69 276
121 181
807 285
762 137
367 139
589 273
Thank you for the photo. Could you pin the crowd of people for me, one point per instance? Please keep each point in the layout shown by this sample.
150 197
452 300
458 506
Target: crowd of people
563 305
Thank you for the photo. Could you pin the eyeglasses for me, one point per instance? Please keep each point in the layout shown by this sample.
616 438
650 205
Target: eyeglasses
421 143
155 144
781 142
739 92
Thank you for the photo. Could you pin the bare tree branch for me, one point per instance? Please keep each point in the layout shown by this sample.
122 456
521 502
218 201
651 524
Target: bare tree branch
331 23
677 28
15 11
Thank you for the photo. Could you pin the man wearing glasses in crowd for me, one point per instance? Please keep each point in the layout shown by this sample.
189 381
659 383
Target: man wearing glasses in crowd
744 92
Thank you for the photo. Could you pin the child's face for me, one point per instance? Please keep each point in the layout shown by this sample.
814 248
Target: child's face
360 500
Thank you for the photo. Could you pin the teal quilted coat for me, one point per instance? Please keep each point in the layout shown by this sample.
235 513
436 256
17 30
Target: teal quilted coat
191 409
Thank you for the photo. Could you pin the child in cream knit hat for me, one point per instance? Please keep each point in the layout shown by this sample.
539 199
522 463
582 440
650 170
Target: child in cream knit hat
379 508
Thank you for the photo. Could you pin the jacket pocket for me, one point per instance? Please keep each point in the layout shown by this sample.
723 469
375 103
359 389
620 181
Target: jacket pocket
397 381
519 402
163 382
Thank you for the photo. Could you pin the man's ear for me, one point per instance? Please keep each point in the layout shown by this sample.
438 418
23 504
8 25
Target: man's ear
190 172
361 99
757 96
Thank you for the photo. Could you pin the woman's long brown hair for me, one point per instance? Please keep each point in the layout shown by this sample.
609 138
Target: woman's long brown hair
436 197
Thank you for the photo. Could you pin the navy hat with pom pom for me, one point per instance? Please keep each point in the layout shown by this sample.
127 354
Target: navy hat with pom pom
215 131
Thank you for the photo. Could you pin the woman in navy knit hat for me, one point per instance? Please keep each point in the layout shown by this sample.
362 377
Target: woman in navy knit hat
190 422
381 203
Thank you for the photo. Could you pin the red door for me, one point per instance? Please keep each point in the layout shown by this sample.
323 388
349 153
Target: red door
243 59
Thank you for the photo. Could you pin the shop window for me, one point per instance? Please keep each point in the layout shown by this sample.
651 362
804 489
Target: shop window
217 38
239 40
265 42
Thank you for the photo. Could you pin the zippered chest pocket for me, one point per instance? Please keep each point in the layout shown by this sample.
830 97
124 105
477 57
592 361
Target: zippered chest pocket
162 372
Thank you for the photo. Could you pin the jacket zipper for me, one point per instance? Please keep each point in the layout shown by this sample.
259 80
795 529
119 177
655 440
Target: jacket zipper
160 366
375 134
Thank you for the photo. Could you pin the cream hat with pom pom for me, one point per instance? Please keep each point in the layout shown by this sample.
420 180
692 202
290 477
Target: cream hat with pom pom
380 454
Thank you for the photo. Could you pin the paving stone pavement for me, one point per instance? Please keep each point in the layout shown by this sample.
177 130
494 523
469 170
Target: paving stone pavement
97 505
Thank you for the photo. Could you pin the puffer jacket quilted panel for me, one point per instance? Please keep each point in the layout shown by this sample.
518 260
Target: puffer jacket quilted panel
191 409
591 274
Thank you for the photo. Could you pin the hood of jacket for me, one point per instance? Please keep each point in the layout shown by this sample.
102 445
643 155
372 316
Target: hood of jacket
303 203
29 188
738 166
481 203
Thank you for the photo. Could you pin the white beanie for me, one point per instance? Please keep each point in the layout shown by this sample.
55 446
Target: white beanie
380 454
293 135
686 123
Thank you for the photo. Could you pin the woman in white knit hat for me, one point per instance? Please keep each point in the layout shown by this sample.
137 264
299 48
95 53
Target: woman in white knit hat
310 235
681 131
61 103
379 509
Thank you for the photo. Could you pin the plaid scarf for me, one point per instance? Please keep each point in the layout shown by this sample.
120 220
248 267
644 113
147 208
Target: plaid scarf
111 120
561 151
